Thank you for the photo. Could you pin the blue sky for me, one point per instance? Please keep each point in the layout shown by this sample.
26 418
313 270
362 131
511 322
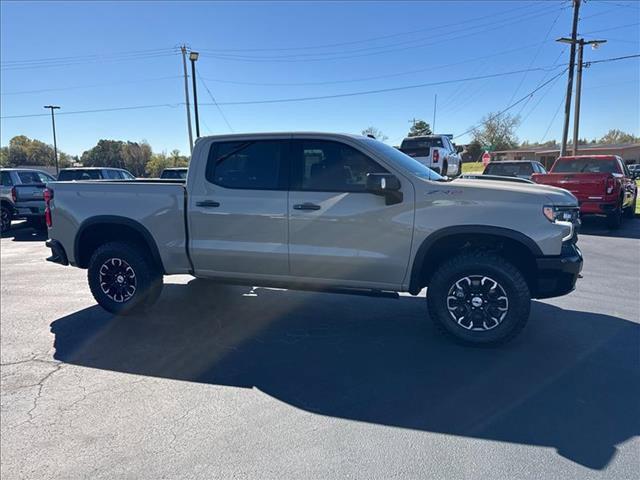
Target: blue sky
105 55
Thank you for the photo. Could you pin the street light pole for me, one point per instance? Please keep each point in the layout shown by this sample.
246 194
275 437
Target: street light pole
55 145
193 56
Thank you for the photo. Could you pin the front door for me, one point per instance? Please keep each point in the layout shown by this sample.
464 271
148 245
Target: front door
338 232
238 211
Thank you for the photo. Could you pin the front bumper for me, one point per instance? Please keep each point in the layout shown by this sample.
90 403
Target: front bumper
58 254
557 275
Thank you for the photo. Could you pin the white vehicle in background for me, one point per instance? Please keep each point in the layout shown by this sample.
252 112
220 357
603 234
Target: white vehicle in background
434 151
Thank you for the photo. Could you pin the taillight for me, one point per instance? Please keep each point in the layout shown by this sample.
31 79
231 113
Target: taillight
436 156
611 184
48 195
14 195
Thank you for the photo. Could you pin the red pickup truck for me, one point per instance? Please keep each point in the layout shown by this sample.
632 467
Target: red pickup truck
602 184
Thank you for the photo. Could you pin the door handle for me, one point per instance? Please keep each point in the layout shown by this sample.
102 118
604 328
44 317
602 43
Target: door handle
208 203
306 206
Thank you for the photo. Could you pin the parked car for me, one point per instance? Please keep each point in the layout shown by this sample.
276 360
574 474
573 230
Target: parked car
324 212
177 173
602 183
514 168
434 151
27 204
94 173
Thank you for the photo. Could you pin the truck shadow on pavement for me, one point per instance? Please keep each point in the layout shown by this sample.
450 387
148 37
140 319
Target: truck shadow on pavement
22 232
571 381
598 226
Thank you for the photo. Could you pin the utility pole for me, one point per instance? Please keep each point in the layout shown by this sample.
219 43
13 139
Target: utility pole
55 144
576 110
193 56
183 49
572 60
435 103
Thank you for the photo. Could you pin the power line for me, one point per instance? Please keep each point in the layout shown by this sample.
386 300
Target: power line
73 57
224 117
81 61
290 59
371 39
369 92
513 104
78 87
114 109
553 118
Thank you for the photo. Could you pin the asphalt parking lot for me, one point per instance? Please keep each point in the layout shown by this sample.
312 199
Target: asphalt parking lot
232 382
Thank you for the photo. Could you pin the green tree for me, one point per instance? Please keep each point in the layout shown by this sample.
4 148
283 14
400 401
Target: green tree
4 157
136 156
474 150
420 127
23 150
107 153
160 161
376 133
618 136
498 132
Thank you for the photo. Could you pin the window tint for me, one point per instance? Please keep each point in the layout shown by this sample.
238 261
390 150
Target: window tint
328 166
6 179
29 177
67 175
44 178
586 165
112 175
174 174
250 165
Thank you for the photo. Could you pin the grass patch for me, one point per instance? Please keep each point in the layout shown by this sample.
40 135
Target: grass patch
637 202
472 167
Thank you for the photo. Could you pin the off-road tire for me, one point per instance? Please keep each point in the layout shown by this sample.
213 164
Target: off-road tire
479 264
614 219
147 277
6 217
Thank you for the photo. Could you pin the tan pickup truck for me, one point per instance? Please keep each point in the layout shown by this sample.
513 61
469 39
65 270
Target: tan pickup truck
326 212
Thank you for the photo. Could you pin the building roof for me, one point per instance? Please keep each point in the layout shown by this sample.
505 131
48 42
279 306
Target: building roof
589 146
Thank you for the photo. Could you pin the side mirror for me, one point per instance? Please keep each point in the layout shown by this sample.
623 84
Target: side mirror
385 185
459 148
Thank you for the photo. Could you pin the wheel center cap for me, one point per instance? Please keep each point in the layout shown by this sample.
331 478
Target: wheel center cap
120 279
476 301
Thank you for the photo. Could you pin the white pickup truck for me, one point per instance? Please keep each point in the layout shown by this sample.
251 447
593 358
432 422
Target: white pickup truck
326 212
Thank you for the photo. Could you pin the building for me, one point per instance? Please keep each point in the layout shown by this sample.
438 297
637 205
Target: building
630 153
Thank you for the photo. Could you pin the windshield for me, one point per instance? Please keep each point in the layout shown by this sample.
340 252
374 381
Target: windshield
586 165
405 161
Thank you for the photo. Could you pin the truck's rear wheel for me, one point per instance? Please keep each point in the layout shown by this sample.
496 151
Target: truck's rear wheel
479 298
5 216
614 219
123 279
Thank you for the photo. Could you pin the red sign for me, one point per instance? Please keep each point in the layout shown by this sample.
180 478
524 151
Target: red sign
486 158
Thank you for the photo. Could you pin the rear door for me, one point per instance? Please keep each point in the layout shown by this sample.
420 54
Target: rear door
338 232
238 210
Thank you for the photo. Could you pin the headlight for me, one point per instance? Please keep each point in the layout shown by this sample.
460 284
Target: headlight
561 214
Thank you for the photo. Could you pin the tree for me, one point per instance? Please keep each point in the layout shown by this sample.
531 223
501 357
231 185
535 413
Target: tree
375 133
24 151
497 132
107 153
618 136
136 156
474 150
420 127
4 157
160 161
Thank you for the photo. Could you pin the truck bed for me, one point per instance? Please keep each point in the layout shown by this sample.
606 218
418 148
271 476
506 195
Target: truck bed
158 206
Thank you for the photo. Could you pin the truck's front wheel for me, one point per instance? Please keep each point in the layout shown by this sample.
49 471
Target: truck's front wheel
479 298
123 279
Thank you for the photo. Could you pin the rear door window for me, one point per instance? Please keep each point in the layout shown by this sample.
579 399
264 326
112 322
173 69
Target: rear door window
248 165
6 179
29 177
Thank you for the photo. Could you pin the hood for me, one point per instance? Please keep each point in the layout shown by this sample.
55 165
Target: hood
551 195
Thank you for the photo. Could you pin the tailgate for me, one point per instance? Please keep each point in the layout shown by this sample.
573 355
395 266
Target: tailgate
29 192
417 152
582 185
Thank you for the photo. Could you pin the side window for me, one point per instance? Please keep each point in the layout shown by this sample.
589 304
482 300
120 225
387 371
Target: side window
248 165
126 175
321 165
6 179
28 177
45 178
625 168
112 175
